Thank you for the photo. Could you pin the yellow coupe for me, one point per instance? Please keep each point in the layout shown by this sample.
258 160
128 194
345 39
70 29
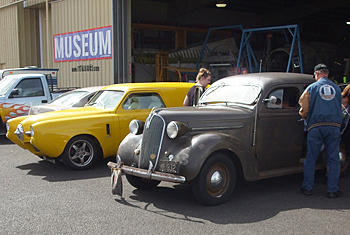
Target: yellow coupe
79 136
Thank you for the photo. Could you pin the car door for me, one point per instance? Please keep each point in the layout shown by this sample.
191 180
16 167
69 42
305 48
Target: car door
28 92
280 129
137 105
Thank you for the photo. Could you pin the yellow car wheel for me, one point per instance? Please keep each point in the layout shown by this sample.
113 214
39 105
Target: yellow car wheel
80 153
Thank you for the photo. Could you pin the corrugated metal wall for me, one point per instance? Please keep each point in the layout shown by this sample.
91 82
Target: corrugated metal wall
45 39
78 15
19 29
26 40
34 2
28 36
9 2
9 50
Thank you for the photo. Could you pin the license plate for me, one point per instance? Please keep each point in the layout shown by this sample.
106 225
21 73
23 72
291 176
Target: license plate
169 166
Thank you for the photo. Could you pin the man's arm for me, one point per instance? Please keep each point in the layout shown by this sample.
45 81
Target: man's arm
304 102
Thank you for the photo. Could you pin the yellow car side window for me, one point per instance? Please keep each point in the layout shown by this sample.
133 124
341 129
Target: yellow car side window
143 101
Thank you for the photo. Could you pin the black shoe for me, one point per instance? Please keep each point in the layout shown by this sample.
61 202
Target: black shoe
335 194
305 192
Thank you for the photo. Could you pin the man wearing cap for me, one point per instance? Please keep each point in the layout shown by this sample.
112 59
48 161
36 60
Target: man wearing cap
321 108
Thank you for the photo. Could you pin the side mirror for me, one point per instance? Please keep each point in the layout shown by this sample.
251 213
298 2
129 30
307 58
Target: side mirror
197 94
272 99
14 92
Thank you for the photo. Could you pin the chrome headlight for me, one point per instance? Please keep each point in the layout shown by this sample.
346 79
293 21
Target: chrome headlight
19 132
136 127
176 129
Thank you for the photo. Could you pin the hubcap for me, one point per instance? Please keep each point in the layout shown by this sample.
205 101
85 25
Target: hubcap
81 153
343 161
217 181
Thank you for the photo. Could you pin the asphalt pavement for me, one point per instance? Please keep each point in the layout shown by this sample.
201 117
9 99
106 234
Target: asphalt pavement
38 197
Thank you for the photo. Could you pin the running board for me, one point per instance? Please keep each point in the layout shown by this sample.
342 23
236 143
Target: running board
286 171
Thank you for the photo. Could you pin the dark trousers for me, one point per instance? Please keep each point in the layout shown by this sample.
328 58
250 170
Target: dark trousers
329 136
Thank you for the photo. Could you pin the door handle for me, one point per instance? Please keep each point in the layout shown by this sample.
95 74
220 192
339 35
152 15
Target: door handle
44 101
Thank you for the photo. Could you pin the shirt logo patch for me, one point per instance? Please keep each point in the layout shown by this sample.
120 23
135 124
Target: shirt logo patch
327 92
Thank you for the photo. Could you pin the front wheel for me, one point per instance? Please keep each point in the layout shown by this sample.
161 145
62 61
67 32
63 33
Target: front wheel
216 181
142 183
80 153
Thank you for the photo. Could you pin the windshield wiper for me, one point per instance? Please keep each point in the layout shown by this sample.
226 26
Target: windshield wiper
217 102
214 89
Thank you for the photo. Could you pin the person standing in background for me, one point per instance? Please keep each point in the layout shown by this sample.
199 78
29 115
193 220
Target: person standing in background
345 129
321 104
203 79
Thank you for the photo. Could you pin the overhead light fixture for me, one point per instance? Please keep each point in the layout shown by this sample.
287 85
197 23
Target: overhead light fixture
348 23
221 4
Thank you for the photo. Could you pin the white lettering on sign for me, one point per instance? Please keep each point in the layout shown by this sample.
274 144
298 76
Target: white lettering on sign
89 44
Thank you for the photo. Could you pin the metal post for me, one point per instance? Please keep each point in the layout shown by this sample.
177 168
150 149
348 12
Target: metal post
119 28
47 34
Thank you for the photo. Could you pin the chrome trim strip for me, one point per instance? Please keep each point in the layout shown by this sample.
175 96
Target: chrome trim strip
216 128
161 140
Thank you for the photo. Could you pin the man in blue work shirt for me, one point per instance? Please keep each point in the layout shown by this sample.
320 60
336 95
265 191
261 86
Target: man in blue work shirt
321 108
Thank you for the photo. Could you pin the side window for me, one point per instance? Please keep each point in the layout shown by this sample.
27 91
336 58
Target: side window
143 101
30 87
286 98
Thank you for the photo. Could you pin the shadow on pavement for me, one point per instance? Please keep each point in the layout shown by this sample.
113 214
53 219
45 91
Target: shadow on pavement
4 140
59 172
251 201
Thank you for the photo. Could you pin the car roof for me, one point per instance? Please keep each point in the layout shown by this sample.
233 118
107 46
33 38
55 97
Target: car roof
25 75
148 86
91 88
88 90
268 79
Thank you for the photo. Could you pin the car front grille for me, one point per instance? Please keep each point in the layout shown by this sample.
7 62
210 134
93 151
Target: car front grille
152 141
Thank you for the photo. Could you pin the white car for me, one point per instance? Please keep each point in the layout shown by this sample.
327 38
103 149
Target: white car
72 99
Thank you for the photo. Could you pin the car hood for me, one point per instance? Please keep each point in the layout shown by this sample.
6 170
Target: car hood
207 115
65 114
47 108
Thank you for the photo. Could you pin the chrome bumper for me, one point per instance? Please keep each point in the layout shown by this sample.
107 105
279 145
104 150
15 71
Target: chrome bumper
147 174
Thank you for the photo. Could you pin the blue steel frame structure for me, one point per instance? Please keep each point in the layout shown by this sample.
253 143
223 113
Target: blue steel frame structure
245 44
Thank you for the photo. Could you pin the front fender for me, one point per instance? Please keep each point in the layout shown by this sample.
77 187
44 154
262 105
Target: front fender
51 137
127 148
200 147
10 134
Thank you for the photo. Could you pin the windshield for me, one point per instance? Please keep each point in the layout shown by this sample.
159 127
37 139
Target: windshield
6 84
69 99
106 99
231 93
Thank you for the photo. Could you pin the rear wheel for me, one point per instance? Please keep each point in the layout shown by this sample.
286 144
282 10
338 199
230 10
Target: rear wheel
216 181
142 183
344 162
80 153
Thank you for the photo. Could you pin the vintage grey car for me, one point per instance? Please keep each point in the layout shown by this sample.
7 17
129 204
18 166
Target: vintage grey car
245 125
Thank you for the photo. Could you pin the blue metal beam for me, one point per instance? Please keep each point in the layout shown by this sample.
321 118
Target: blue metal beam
245 44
